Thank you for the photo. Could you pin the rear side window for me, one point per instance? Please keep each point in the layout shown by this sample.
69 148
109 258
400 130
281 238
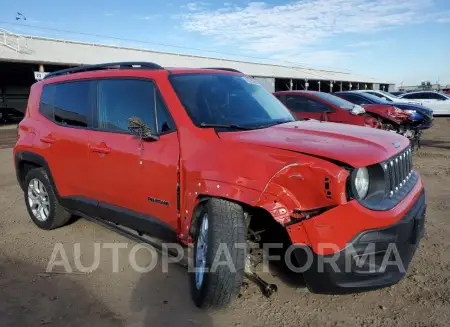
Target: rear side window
73 104
120 99
412 96
68 104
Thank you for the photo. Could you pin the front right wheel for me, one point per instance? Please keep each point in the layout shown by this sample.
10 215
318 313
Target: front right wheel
219 254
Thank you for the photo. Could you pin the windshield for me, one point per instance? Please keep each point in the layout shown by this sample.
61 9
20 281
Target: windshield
341 103
375 99
228 99
388 95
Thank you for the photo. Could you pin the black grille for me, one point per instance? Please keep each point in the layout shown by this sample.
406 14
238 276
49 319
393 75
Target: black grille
398 171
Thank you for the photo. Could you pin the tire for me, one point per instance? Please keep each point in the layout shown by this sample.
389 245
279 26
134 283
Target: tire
225 225
56 216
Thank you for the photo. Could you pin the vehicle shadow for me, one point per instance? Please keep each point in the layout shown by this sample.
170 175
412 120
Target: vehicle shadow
435 144
31 297
280 269
165 299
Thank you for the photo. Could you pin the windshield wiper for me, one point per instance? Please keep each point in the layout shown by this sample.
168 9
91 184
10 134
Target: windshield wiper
276 122
226 126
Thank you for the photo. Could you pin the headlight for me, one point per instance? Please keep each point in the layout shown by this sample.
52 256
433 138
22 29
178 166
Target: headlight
411 112
361 182
397 109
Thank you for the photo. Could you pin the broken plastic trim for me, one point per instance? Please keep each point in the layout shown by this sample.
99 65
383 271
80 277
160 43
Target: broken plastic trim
301 215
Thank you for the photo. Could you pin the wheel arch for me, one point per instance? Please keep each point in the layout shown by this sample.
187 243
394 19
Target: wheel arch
25 161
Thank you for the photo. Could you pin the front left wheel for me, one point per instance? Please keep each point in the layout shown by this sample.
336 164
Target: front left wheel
219 254
42 202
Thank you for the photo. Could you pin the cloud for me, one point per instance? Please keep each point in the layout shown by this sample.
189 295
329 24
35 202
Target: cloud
196 6
290 30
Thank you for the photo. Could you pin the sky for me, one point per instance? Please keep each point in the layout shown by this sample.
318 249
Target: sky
403 41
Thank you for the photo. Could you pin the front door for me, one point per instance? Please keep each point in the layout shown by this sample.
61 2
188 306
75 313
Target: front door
135 181
306 107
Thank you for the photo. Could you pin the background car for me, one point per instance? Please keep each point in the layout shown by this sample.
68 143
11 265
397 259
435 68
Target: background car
396 93
422 117
438 101
325 106
387 96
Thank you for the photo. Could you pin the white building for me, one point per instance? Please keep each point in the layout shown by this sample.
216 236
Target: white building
21 56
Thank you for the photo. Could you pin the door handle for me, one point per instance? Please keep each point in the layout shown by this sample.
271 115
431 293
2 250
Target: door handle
48 139
100 149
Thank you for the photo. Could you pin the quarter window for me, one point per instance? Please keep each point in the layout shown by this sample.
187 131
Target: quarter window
119 100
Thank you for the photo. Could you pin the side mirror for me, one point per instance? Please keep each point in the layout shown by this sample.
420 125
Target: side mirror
137 126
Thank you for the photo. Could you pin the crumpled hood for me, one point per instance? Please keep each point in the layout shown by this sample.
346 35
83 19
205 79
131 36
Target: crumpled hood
420 109
354 145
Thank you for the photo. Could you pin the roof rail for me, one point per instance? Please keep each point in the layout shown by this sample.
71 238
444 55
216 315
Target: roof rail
111 65
227 69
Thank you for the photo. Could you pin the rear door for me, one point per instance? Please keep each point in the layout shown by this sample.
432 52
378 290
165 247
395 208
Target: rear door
64 142
135 181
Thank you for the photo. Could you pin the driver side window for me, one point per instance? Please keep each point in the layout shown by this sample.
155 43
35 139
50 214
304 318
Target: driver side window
304 104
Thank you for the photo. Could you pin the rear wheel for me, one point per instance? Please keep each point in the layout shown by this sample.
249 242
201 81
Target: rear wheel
41 201
220 233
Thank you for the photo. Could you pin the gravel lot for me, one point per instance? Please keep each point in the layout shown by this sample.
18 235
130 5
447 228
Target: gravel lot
30 297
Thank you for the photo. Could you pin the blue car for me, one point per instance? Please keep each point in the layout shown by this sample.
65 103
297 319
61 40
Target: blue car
422 117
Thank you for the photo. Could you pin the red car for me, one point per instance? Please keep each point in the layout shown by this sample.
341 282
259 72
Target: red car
208 157
327 107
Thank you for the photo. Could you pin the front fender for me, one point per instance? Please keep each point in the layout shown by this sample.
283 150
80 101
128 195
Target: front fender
301 187
390 115
200 189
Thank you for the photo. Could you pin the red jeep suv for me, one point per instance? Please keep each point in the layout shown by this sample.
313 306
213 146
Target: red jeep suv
210 158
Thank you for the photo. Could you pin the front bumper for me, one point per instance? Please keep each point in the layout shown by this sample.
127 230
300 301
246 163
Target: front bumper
374 258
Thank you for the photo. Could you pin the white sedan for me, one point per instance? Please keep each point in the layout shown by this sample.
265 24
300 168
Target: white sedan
388 96
437 101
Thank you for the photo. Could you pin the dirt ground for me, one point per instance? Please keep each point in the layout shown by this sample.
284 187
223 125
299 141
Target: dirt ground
31 297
